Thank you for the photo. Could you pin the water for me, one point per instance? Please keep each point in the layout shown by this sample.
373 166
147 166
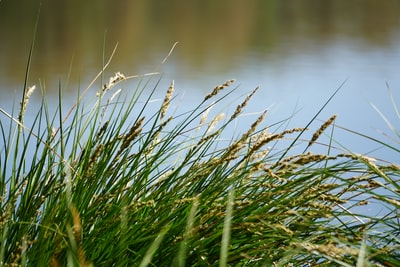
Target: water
299 53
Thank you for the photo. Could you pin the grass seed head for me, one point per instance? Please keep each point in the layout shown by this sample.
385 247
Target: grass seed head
204 116
135 130
167 100
390 200
309 158
102 130
243 104
330 250
260 155
113 81
274 175
257 122
142 204
323 127
218 88
251 130
266 138
95 156
25 101
215 121
208 137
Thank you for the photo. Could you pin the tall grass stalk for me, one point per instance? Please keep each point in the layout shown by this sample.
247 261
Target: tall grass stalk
119 182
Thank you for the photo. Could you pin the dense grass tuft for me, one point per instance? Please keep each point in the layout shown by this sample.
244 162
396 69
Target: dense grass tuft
115 182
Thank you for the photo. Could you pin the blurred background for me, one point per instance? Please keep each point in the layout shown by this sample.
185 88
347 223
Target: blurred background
298 52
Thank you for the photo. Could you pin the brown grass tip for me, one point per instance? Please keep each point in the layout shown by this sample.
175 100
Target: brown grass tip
167 100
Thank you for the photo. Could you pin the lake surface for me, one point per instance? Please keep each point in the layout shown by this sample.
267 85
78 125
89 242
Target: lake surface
298 52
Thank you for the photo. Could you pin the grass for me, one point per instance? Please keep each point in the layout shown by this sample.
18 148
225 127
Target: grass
114 182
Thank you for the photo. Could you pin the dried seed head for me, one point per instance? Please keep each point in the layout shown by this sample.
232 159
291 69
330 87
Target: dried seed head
253 127
234 148
260 155
218 88
94 157
207 138
141 204
394 167
330 250
167 100
284 228
30 91
25 101
274 175
390 200
188 200
362 203
366 159
243 104
135 130
205 114
257 122
321 130
53 132
215 121
164 176
266 138
260 136
332 198
102 130
113 81
310 158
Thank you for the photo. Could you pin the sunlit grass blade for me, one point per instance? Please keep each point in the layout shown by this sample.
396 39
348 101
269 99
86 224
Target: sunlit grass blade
388 123
226 234
153 247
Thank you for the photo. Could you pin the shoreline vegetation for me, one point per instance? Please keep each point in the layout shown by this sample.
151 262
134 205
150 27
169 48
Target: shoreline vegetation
113 182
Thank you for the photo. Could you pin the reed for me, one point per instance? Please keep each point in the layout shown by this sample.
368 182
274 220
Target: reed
120 185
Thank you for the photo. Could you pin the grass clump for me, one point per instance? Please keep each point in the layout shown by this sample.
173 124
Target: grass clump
119 183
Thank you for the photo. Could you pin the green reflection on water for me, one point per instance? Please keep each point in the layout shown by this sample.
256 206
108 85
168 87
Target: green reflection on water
212 33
